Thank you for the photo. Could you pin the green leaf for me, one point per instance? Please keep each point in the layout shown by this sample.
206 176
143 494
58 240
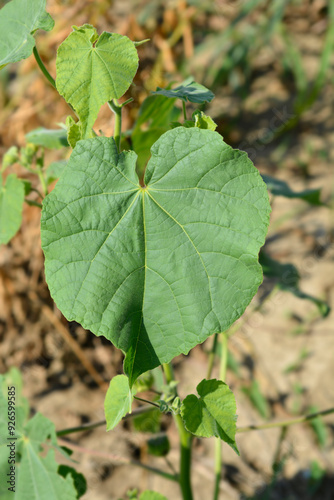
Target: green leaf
319 427
281 188
158 445
147 422
11 204
151 495
156 270
118 400
193 92
79 480
10 157
19 19
204 121
52 139
92 70
54 170
74 131
288 280
212 413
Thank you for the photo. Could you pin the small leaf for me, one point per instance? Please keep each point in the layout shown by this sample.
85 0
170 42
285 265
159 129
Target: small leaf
319 427
212 413
158 445
52 139
148 421
281 188
203 121
144 382
74 131
151 495
11 204
19 19
118 400
193 92
10 157
92 70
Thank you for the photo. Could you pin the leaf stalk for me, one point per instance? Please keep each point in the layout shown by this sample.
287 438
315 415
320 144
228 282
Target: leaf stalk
43 68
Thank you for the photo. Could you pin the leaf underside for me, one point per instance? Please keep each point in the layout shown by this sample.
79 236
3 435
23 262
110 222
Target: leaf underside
92 70
155 270
19 19
118 400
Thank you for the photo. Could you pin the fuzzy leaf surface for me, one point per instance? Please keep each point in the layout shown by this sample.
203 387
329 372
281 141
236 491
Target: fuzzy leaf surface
11 204
212 413
19 19
118 400
155 270
92 70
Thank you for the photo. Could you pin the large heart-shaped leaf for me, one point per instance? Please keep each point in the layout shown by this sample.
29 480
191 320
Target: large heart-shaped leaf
155 269
19 19
92 70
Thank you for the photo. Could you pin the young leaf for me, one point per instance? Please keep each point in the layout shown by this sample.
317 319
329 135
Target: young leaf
74 131
281 188
11 204
19 19
52 139
92 70
118 400
158 269
212 413
193 92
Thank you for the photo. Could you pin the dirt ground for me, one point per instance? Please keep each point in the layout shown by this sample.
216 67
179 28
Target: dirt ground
68 384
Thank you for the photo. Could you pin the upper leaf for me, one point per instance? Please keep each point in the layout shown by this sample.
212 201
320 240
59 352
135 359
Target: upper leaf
118 400
156 270
193 92
92 70
19 19
11 204
212 413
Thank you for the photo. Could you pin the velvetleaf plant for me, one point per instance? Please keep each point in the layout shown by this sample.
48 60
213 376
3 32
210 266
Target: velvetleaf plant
155 248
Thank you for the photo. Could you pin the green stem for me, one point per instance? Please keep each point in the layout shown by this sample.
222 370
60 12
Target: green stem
218 442
99 423
184 110
146 401
284 423
117 109
185 446
43 68
42 179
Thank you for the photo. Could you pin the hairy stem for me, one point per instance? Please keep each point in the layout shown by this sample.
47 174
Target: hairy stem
117 109
43 68
218 443
285 423
185 446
